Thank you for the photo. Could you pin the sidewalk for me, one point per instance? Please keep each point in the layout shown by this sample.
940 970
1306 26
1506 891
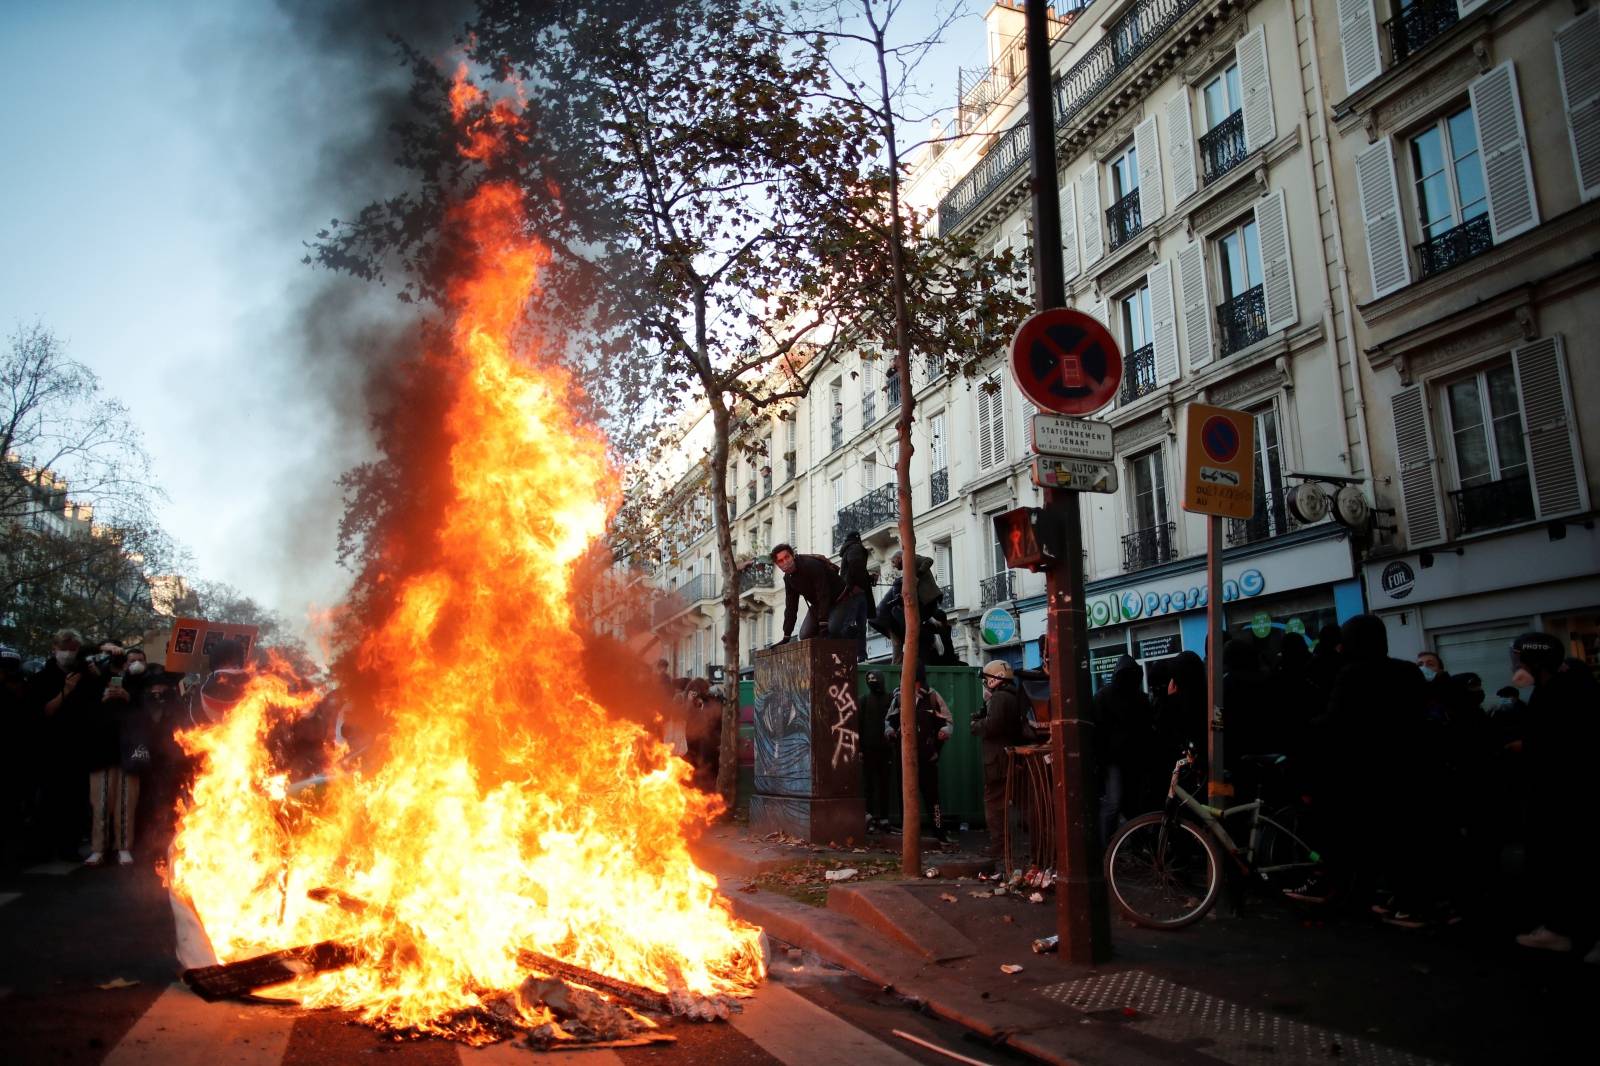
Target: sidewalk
1275 983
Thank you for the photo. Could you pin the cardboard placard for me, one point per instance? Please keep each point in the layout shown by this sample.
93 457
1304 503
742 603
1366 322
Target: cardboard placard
193 640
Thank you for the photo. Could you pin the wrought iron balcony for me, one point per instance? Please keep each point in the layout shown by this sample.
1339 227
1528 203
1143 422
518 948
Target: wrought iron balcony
1139 373
1418 25
1243 320
869 408
1455 246
878 507
1123 219
673 602
1149 547
1270 521
891 388
1494 504
1222 148
836 433
758 575
1075 90
996 589
938 487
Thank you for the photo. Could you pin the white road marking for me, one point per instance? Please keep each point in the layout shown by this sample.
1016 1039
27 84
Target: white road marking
54 869
181 1029
796 1031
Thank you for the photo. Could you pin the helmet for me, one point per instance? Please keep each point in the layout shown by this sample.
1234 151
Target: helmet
1538 651
997 668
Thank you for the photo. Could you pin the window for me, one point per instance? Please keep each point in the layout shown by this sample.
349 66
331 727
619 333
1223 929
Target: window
1489 449
790 454
996 588
938 462
941 572
1123 216
1452 205
1271 516
837 488
1416 23
1221 97
1138 336
1150 539
869 473
766 538
1134 309
1243 314
836 413
869 396
791 517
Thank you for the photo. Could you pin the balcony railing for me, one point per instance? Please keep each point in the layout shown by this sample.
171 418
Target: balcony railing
1243 320
996 589
1222 148
758 575
1271 520
1139 373
836 433
876 508
891 389
1149 547
869 408
1455 246
1418 24
1123 219
1494 504
674 602
1127 39
938 487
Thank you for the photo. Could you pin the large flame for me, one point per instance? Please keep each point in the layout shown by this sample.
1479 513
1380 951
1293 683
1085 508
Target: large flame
510 811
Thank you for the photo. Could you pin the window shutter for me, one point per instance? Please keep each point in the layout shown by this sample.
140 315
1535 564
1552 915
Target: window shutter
939 449
1420 500
1554 457
1089 216
1017 241
986 457
1272 223
997 404
1163 322
1380 211
1098 310
1196 304
1069 232
1260 127
1180 147
1578 65
1497 112
1358 38
1152 205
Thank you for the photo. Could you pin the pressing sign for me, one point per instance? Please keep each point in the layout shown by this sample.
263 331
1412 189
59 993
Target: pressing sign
1219 467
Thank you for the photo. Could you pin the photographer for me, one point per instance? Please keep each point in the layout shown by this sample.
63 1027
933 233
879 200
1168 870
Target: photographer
113 789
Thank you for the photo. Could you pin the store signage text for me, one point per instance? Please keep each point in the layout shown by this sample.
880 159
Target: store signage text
1133 604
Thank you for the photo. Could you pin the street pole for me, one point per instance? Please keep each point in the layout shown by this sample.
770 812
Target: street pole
1217 788
1083 920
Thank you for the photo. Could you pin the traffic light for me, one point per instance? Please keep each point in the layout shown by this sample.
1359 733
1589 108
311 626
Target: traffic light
1029 537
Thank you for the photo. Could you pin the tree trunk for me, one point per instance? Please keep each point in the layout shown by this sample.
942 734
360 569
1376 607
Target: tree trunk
728 750
910 793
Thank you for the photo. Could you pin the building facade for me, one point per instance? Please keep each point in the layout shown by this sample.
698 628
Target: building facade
1467 148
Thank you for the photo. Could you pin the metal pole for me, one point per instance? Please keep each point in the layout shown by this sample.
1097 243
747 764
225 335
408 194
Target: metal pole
1083 919
1217 788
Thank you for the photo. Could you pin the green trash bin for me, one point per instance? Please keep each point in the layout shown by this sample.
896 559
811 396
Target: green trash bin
961 760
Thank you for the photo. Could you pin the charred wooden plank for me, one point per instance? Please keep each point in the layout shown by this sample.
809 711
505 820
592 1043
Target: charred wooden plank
236 979
634 995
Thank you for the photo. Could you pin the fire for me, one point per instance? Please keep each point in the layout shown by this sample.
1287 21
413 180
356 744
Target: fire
510 811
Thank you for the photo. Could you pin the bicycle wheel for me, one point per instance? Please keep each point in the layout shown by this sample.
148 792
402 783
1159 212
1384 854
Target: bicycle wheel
1163 874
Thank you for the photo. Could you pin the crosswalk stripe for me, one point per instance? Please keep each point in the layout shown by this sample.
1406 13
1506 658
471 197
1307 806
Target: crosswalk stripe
506 1053
799 1033
181 1029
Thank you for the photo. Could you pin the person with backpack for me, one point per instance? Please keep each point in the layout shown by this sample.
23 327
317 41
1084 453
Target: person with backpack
813 578
934 725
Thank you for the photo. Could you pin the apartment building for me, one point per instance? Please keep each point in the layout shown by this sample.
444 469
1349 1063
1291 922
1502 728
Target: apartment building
1466 146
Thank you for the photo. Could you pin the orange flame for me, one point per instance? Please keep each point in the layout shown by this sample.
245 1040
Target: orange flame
511 812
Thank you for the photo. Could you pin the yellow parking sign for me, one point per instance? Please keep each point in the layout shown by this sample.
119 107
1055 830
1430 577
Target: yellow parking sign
1219 464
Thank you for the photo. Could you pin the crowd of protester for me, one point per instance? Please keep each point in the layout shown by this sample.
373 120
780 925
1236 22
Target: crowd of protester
691 723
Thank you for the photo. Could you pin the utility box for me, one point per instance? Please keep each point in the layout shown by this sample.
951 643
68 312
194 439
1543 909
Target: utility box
808 742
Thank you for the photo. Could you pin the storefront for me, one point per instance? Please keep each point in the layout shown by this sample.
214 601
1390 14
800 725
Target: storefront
1468 600
1296 583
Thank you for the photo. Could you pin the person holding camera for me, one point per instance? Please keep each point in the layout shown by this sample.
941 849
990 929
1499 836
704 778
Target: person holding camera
113 788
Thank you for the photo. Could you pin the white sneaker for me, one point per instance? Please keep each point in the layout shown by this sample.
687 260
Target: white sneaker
1545 939
124 858
95 859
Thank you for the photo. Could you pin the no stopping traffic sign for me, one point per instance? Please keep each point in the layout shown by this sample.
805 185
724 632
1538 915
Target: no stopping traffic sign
1066 361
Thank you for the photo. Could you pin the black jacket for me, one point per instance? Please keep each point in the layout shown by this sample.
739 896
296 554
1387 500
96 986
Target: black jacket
932 716
814 578
999 723
853 564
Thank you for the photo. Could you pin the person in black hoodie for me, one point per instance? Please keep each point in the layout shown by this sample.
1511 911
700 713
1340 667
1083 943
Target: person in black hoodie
1181 715
877 766
1246 701
1124 728
848 618
812 578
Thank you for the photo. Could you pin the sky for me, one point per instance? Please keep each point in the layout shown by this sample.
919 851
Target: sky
164 163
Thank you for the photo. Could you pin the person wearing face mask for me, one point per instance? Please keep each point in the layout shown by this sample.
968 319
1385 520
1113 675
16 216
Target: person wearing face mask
1561 736
59 690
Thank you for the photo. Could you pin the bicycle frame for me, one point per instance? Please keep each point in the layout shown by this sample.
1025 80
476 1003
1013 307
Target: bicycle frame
1212 818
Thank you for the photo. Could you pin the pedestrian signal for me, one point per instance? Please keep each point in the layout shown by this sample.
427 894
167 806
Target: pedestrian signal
1029 538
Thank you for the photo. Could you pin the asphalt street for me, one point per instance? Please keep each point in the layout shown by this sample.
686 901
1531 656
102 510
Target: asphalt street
88 976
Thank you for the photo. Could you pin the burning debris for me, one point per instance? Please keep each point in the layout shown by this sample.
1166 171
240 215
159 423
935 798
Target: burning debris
443 885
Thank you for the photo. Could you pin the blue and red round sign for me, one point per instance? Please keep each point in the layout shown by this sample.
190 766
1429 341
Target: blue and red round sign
1066 361
1220 439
